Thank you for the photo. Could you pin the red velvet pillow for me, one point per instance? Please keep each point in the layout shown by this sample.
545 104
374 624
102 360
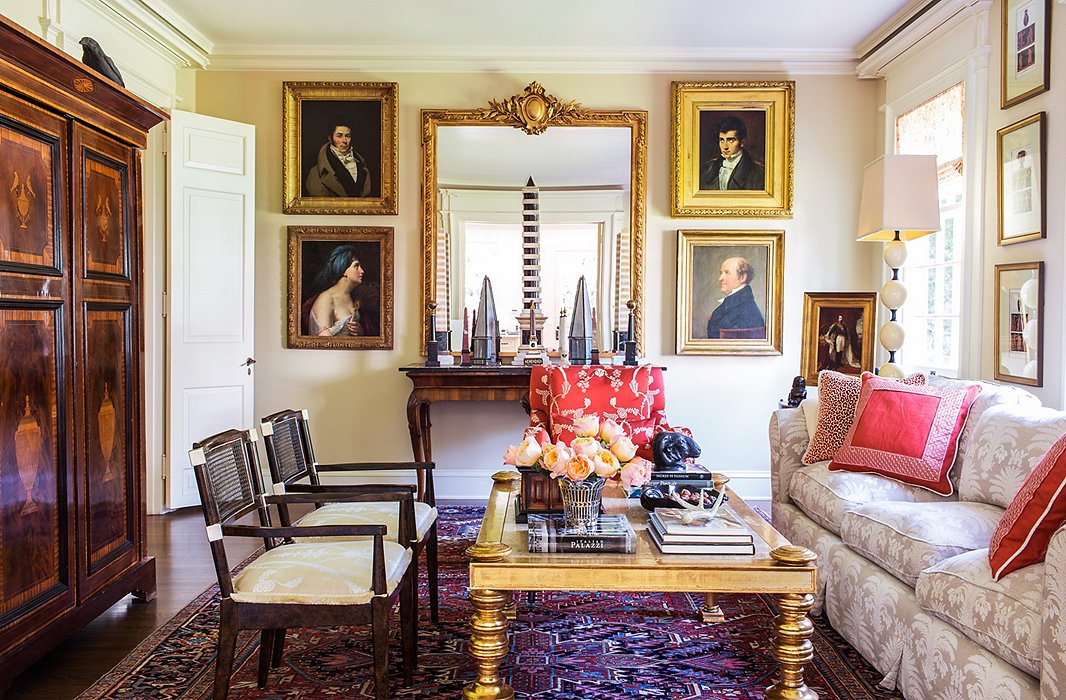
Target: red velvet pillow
909 433
1037 511
837 396
618 393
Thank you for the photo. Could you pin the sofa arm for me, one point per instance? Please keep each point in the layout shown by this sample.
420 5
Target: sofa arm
1053 627
788 442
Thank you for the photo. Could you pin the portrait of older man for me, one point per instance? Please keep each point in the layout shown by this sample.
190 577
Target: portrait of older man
737 315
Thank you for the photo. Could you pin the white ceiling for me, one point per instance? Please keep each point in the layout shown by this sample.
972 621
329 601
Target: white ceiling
743 27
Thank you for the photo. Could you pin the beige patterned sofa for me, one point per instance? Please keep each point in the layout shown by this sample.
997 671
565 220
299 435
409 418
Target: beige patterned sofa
904 573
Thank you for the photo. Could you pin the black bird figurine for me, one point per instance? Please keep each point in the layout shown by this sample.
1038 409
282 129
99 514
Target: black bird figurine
94 57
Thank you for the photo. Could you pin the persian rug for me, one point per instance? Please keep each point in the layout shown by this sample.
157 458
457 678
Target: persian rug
564 646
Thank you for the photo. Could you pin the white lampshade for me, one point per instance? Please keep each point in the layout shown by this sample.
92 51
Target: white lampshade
899 193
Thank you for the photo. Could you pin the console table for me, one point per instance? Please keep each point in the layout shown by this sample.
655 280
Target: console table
457 383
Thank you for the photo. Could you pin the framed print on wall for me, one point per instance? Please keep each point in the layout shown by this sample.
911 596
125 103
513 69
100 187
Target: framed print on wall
340 287
340 148
1019 323
838 333
1020 177
1025 62
732 149
729 291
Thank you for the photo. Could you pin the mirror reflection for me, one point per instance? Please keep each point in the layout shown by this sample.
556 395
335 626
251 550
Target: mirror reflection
576 181
534 193
1018 322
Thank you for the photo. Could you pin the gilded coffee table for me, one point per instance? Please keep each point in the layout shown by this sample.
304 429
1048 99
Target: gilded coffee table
501 563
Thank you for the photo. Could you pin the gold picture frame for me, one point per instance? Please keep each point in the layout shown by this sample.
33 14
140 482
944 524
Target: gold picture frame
1021 176
745 267
838 333
318 180
322 261
1019 323
756 122
1025 58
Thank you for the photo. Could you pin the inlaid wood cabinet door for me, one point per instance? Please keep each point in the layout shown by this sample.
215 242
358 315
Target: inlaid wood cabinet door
36 483
107 351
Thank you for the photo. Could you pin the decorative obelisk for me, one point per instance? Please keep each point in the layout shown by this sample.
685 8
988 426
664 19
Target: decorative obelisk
485 342
530 264
581 326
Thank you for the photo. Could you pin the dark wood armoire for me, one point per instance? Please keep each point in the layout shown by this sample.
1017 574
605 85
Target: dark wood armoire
72 463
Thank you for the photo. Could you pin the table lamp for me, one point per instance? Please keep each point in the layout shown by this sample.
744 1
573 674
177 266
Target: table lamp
900 202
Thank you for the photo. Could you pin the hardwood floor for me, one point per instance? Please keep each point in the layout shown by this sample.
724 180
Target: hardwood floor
183 570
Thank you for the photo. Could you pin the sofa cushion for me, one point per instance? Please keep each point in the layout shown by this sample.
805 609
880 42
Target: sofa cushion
1002 616
992 394
906 538
825 496
1037 511
1007 442
906 432
837 396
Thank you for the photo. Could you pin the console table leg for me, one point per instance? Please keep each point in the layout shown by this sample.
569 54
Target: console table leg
417 417
711 611
488 645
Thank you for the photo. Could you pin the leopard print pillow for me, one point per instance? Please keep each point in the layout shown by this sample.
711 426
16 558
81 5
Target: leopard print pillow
837 396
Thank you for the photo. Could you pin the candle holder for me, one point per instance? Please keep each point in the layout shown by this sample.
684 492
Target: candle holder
431 343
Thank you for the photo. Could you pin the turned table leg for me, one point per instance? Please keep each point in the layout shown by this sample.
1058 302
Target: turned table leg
792 644
711 611
488 645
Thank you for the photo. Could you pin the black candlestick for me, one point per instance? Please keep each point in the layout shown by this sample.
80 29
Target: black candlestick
631 342
431 343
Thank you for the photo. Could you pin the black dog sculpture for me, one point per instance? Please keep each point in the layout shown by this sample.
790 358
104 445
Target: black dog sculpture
798 393
670 450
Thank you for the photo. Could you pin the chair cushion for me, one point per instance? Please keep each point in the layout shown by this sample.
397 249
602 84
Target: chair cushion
1008 441
1002 616
619 393
906 432
906 538
319 572
374 513
826 496
1037 511
838 395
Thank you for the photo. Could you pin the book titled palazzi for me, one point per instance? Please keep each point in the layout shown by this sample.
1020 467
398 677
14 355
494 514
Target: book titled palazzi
609 533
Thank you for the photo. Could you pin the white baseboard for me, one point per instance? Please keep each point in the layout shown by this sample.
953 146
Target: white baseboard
474 484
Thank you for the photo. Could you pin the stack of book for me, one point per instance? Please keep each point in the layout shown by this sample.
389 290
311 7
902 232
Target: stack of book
721 535
610 533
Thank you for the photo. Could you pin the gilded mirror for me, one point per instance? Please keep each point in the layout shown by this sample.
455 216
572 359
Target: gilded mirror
585 172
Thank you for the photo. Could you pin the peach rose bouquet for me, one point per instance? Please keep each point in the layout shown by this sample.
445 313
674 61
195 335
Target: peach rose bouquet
600 450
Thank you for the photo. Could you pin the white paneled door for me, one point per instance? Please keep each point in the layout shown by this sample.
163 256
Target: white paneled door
211 231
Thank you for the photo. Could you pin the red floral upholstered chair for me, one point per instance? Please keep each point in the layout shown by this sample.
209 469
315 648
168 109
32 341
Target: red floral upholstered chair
634 397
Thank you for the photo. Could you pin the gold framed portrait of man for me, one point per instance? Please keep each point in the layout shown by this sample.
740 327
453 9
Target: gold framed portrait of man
838 333
340 148
729 292
733 144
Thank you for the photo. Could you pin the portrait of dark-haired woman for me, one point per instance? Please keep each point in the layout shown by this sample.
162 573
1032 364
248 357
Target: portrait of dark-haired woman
338 302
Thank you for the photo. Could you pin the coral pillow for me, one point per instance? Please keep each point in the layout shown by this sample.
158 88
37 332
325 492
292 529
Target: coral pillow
837 395
1037 511
619 393
906 432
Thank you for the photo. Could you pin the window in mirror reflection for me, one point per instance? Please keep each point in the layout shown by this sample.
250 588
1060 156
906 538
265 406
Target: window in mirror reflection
567 251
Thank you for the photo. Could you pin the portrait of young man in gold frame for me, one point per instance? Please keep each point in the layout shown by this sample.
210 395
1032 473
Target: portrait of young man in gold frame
340 148
733 144
729 292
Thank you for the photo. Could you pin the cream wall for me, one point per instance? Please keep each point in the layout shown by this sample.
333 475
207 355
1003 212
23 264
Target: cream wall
1052 249
358 399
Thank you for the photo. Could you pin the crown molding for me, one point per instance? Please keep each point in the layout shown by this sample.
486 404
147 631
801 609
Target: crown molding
450 59
909 26
161 28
